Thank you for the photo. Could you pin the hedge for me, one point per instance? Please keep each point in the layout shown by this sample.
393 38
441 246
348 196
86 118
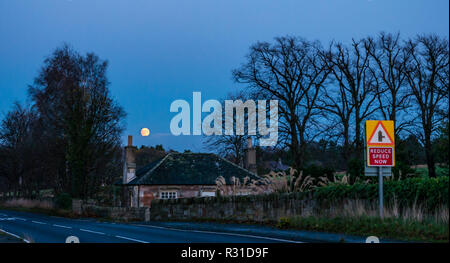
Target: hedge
427 192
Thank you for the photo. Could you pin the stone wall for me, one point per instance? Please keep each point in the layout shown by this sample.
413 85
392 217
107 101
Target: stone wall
87 209
257 208
241 208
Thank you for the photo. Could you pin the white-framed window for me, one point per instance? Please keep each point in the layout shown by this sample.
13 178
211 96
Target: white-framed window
207 194
168 195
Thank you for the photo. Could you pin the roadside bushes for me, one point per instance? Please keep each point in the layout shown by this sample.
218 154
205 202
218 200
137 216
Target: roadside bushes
63 201
403 170
355 170
427 192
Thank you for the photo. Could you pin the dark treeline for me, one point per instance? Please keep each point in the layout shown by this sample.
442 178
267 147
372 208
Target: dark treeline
326 93
68 138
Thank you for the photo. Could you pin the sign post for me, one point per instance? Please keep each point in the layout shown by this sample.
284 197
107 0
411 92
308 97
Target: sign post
380 191
380 151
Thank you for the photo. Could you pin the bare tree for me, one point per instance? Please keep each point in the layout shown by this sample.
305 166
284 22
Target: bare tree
426 74
356 94
291 71
336 104
233 146
22 151
390 59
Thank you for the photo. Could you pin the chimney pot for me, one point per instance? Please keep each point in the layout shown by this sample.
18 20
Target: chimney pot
130 140
251 157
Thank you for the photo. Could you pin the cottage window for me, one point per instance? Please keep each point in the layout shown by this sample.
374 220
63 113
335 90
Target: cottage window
168 195
207 194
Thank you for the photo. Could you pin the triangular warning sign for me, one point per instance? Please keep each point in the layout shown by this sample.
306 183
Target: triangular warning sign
380 136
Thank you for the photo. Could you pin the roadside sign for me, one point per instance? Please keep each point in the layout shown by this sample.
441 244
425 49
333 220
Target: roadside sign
379 135
380 152
373 170
381 156
380 143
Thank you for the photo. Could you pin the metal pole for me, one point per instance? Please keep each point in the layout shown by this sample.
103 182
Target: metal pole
380 190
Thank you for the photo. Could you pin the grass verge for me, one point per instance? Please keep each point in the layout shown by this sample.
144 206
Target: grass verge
388 228
45 211
392 228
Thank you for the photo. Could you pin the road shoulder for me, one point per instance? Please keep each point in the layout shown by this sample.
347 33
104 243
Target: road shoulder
265 231
5 238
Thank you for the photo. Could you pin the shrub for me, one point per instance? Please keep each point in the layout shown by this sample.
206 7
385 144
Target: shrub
355 170
428 192
442 171
63 201
402 171
284 222
318 171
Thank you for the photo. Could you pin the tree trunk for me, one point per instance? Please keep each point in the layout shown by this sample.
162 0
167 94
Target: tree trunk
430 158
346 152
358 134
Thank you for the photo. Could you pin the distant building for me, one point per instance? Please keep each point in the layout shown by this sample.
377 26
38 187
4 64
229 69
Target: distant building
276 166
179 175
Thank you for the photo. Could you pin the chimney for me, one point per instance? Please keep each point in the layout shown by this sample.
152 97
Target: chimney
251 157
130 140
129 171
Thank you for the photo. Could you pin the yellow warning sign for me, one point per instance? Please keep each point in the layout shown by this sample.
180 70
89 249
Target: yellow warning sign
380 143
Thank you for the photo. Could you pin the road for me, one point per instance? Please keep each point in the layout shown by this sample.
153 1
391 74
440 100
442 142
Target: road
41 228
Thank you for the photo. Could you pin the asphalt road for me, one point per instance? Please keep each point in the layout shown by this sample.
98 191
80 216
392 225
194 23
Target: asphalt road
40 228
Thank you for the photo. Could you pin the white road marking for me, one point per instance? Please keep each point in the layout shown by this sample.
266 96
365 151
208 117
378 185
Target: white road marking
132 239
90 231
11 234
37 222
68 227
7 219
14 235
20 218
224 233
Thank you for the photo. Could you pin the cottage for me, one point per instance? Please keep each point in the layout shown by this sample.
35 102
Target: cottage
179 175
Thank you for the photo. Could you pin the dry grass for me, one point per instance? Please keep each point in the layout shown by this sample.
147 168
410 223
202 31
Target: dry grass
279 182
284 182
361 218
362 208
237 186
290 181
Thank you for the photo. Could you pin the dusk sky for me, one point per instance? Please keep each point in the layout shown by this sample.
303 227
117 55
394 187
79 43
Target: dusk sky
160 51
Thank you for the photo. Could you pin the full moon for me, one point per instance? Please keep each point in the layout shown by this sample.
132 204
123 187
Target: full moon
145 132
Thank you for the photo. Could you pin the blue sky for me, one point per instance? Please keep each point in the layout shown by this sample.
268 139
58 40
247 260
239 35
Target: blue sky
160 51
